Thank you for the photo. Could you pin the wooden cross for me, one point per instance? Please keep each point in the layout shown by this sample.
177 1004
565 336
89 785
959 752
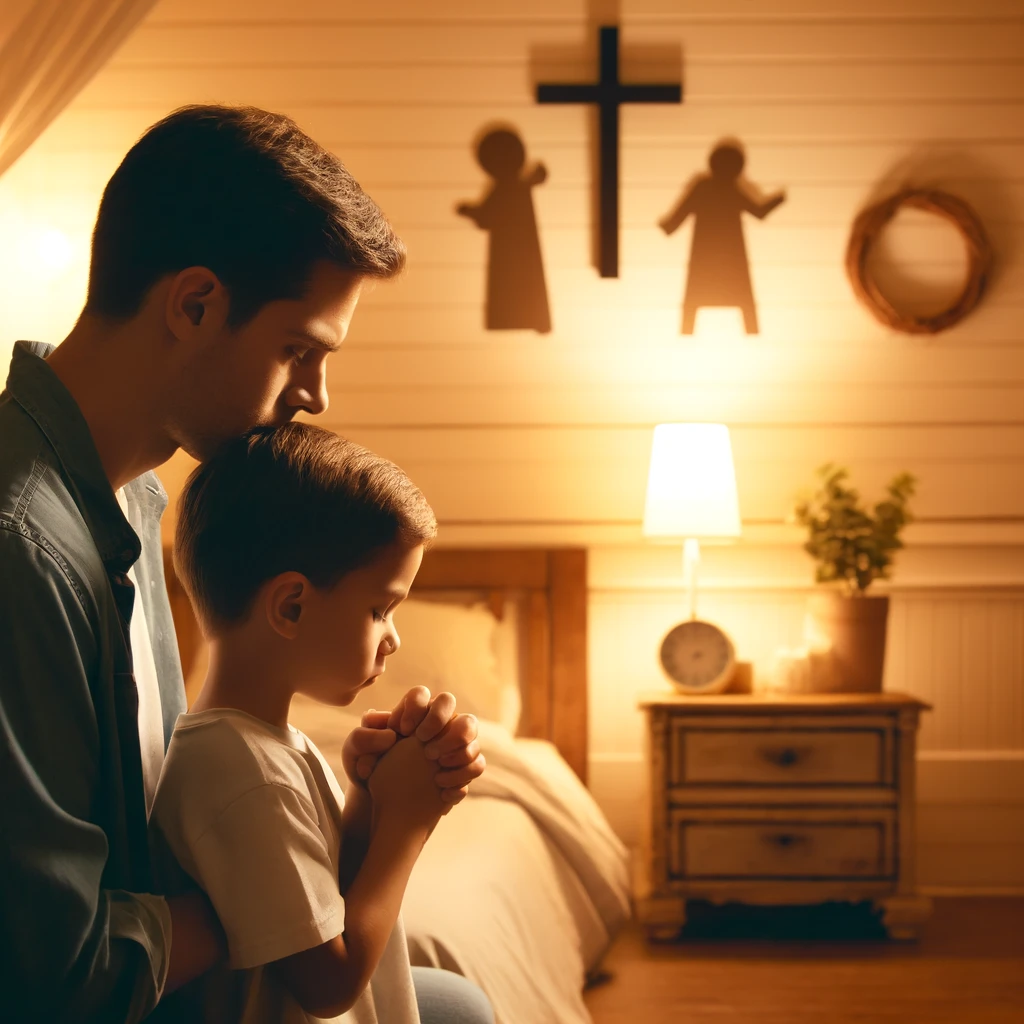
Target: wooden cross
609 93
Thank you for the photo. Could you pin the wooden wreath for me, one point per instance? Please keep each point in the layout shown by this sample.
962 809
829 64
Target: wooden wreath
868 226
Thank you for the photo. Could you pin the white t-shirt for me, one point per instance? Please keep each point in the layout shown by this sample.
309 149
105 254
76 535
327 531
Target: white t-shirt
151 720
253 814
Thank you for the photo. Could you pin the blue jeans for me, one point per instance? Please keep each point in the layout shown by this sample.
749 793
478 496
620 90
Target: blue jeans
447 998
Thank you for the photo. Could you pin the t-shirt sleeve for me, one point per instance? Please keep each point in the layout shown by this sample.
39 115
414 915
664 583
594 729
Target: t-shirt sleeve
266 867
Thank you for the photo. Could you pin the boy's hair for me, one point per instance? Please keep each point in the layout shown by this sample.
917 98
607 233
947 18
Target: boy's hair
293 498
240 191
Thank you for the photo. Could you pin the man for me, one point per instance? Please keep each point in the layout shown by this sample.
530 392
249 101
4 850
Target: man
228 257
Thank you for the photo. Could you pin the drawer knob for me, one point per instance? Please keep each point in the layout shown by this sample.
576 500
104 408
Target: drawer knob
784 839
784 758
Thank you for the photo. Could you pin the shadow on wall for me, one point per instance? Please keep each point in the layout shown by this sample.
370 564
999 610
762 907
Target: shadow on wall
517 296
719 272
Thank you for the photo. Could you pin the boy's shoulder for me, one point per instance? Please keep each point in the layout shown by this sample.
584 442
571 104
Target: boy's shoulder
225 742
223 762
217 756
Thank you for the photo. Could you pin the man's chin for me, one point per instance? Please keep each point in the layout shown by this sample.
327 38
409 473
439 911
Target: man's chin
201 448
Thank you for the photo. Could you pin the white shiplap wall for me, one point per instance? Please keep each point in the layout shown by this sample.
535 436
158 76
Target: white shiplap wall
518 438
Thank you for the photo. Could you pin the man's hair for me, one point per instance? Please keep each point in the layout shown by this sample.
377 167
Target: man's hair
240 191
293 498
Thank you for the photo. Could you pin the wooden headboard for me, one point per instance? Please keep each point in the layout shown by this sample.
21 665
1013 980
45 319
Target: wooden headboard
554 581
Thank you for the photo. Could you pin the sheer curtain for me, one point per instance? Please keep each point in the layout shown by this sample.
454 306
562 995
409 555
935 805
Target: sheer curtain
49 49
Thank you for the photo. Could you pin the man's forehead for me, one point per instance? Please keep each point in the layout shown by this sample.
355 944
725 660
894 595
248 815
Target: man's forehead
330 300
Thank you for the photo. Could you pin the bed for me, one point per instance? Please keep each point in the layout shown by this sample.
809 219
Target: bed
523 886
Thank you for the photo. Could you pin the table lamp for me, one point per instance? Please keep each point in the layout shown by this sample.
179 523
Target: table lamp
691 496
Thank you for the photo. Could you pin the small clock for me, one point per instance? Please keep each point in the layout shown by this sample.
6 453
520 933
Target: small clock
698 657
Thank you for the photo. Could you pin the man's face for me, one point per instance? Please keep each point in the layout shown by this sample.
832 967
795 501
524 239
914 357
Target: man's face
264 373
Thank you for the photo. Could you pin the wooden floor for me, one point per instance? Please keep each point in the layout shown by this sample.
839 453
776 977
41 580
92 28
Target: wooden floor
967 968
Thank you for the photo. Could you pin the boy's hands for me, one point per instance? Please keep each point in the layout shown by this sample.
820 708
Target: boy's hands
403 783
450 740
417 713
364 745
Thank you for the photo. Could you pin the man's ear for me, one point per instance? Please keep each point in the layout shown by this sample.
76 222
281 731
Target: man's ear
285 599
197 303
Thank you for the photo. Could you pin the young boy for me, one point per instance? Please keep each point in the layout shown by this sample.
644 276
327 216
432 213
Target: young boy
296 548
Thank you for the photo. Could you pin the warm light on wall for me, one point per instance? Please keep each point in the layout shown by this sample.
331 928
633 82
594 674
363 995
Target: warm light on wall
719 324
53 251
44 266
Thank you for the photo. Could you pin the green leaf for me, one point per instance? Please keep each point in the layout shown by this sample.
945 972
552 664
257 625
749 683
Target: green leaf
847 542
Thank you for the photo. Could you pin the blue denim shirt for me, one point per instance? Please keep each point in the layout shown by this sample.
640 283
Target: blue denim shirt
81 939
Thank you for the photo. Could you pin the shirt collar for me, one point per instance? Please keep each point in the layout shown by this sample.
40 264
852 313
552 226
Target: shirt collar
39 391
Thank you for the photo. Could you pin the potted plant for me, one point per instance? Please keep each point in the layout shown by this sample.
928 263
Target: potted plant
852 548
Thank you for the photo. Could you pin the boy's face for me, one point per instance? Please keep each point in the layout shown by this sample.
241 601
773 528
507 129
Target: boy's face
348 632
266 372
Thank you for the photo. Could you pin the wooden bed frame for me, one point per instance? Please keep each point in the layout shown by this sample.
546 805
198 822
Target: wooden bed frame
554 581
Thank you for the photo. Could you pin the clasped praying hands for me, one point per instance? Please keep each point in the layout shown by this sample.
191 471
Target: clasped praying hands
449 738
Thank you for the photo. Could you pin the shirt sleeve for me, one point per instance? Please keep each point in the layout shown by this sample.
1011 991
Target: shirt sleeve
107 956
266 867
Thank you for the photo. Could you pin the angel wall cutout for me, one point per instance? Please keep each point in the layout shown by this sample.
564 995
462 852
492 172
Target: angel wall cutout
517 296
719 273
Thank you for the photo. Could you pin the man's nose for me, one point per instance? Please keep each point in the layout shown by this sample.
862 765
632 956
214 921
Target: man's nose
312 397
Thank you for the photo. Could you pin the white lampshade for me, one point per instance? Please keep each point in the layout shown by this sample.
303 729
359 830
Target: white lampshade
691 486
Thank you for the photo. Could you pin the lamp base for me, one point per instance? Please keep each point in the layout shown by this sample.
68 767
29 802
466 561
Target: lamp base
691 563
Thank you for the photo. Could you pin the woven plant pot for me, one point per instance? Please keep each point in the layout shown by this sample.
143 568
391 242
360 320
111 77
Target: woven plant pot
855 627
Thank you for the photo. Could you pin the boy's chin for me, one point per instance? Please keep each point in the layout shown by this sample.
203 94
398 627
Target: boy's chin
339 698
348 697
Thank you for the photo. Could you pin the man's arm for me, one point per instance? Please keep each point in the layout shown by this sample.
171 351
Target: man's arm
198 942
71 950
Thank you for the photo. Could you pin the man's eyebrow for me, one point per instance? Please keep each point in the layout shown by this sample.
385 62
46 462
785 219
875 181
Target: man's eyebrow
327 346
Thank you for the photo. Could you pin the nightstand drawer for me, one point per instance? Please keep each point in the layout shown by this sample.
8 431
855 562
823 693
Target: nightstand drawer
797 848
861 757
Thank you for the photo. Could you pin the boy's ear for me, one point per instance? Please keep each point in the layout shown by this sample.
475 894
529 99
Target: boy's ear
284 601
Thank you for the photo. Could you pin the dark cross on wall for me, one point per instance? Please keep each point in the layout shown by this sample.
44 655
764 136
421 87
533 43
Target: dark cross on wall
609 94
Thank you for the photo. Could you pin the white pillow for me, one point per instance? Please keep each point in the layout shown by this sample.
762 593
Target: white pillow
446 646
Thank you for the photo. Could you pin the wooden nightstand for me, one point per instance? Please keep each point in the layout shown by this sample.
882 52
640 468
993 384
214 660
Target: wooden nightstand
778 800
